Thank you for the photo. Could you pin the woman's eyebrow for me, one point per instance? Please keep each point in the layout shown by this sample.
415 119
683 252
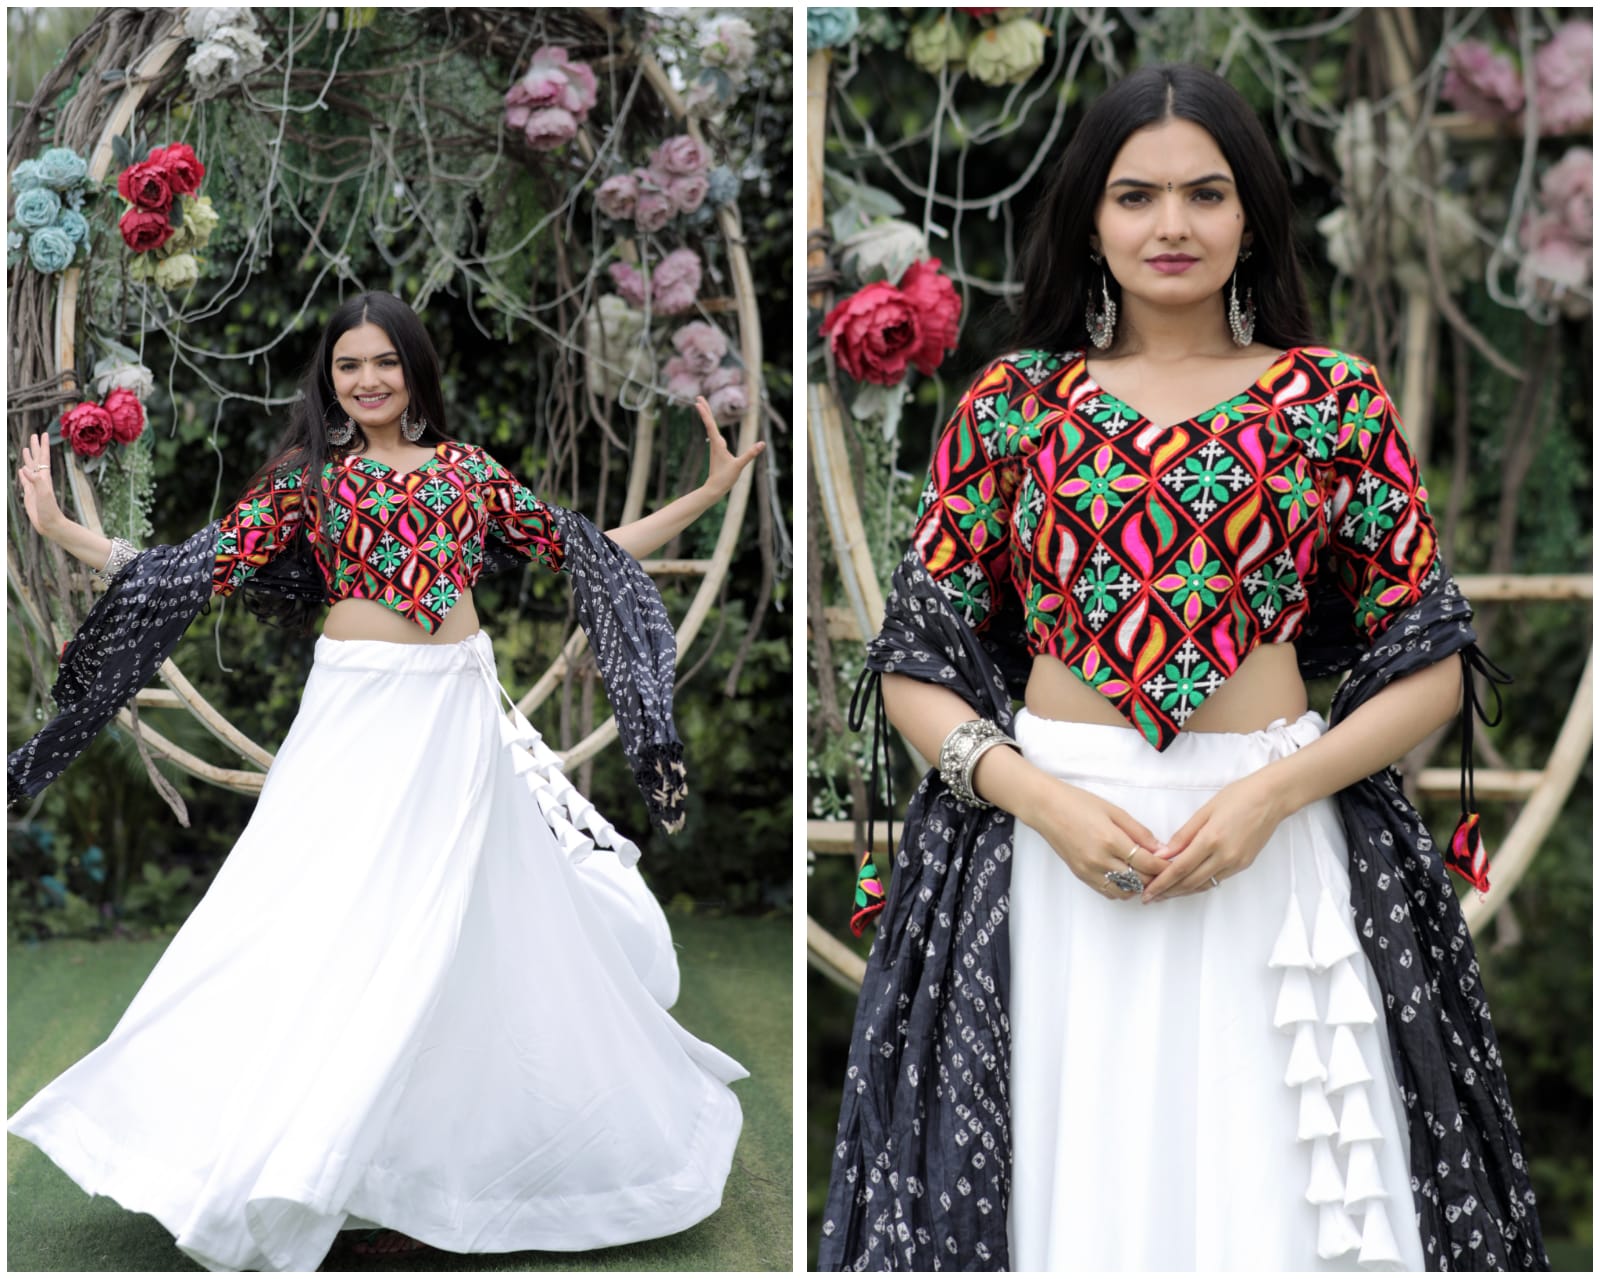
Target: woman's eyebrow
1209 179
354 359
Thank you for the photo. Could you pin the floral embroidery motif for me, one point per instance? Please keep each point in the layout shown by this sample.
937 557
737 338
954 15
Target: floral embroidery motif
1152 562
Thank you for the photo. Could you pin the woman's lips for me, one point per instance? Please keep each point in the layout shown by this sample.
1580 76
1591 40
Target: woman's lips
1172 266
371 401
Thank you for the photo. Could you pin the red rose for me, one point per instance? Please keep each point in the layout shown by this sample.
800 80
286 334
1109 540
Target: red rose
874 333
146 186
142 229
181 166
87 428
127 415
938 310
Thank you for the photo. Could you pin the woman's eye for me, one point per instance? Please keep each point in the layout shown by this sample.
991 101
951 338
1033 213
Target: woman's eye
1211 197
1128 199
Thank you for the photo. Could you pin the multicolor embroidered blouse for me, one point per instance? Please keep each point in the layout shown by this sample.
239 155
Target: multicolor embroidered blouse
1152 560
412 541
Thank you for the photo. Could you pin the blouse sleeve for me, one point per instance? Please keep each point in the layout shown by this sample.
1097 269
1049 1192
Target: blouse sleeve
263 523
1383 548
519 519
963 524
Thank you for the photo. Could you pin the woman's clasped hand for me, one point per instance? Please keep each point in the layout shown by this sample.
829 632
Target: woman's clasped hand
1225 835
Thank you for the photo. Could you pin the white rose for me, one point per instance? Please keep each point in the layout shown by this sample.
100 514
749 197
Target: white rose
111 374
883 251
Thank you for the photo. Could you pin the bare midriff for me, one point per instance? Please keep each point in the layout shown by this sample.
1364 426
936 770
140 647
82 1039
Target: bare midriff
370 620
1266 687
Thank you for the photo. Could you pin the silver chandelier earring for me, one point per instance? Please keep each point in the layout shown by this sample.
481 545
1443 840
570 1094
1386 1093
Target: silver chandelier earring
1102 324
341 433
1241 319
411 430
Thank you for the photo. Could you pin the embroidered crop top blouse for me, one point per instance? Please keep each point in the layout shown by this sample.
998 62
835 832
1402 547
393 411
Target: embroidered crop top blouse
1151 560
412 541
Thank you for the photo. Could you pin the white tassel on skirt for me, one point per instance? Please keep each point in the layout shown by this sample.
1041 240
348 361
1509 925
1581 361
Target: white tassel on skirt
1203 1083
410 998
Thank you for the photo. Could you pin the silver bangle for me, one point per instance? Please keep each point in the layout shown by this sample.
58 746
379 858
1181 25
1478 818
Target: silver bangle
965 745
123 553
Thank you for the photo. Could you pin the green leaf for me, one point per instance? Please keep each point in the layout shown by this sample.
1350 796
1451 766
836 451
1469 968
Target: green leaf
120 152
175 214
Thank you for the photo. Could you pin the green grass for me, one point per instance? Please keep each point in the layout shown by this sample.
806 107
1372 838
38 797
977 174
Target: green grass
64 998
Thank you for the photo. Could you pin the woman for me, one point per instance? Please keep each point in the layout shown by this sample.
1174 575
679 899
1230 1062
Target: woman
1132 1025
410 997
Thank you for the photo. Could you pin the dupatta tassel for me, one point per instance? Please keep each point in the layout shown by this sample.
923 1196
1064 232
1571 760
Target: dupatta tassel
1466 855
870 898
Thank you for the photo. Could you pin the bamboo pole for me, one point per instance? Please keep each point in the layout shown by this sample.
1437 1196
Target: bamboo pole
832 958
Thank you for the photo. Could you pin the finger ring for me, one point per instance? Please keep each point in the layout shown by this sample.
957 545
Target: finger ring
1127 880
1214 883
1131 852
37 469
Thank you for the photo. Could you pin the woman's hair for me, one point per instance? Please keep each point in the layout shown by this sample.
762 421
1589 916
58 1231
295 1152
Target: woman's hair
1055 270
305 441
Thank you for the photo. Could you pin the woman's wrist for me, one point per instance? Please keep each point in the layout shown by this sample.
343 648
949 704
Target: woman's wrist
1008 781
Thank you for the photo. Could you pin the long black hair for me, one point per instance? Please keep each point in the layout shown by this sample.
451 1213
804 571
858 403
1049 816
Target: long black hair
305 440
1054 267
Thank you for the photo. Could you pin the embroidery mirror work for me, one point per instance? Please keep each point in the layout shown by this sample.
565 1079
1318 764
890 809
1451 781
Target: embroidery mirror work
1151 560
412 541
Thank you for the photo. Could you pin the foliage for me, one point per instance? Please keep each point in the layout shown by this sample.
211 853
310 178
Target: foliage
965 164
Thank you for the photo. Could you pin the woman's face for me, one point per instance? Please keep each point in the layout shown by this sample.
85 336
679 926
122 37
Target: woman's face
1169 223
367 377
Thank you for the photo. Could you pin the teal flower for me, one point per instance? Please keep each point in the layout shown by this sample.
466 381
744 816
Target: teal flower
51 250
26 176
441 597
37 208
831 27
62 167
1186 691
1369 517
75 225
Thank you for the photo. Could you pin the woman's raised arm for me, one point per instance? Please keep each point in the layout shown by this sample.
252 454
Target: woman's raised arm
649 533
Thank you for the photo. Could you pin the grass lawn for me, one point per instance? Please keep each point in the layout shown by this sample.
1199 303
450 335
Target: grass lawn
64 998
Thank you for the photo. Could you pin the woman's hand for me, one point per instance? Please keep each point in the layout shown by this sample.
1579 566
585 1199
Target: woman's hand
38 494
725 467
1223 837
1093 836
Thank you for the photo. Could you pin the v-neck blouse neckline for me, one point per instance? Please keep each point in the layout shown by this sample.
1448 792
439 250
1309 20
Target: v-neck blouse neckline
1203 416
394 475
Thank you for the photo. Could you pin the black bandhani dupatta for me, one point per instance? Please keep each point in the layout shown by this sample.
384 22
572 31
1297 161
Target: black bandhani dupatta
922 1159
135 625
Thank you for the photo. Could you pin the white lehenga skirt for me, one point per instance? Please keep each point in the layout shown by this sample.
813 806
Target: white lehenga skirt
1203 1083
410 999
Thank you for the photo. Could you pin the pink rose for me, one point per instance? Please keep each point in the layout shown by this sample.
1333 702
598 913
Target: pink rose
729 403
682 384
1563 74
550 128
617 196
1482 82
675 284
873 333
688 194
87 428
723 376
939 311
630 284
127 415
701 345
517 116
1567 190
652 212
553 81
681 156
1557 262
